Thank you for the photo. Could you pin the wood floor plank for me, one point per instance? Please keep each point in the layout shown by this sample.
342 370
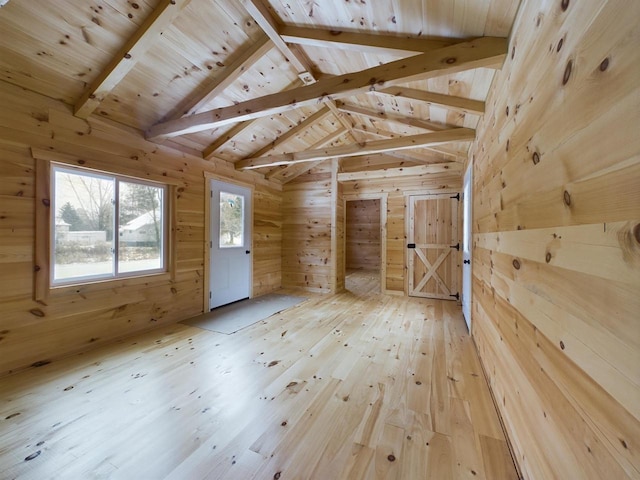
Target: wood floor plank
359 463
467 458
357 385
496 457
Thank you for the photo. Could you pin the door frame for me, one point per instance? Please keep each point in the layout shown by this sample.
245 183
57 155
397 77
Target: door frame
383 232
207 233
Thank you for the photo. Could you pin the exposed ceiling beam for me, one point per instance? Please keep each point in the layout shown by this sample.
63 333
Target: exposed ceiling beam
355 149
378 132
209 152
363 42
482 52
387 160
289 172
401 119
459 104
295 170
298 129
269 25
401 172
413 156
331 105
127 57
443 149
265 20
198 99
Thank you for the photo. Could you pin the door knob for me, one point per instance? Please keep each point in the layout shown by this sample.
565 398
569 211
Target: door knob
247 252
466 262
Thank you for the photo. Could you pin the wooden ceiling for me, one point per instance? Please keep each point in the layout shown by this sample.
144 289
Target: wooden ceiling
274 86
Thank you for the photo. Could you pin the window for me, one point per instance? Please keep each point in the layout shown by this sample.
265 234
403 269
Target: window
105 226
231 220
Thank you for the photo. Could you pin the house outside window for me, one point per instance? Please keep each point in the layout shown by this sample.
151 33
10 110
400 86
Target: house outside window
105 226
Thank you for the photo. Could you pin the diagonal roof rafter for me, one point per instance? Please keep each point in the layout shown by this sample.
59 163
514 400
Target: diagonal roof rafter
363 42
450 102
400 119
482 52
128 56
210 151
270 26
289 172
291 133
245 60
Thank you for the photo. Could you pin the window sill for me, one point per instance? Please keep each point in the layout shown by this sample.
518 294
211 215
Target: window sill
109 284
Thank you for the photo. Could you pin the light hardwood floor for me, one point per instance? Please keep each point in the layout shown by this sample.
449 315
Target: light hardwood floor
348 386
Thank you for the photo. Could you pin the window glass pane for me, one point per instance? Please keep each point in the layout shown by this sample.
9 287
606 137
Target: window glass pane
141 232
83 226
231 220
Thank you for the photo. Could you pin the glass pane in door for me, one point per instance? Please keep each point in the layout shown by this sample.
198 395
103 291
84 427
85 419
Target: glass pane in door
231 220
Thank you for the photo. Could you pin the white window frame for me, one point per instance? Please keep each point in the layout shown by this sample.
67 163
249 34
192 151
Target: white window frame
117 179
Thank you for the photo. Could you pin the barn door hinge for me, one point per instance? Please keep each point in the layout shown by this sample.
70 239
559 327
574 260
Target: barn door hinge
456 296
209 295
456 246
211 244
456 196
411 245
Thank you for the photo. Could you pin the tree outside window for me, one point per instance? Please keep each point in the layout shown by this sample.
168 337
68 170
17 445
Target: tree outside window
231 220
89 207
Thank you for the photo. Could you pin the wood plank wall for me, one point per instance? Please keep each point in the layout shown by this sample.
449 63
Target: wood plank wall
362 243
306 231
31 332
397 188
338 230
556 258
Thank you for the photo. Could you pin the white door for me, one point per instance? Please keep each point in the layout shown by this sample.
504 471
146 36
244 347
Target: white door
467 230
230 268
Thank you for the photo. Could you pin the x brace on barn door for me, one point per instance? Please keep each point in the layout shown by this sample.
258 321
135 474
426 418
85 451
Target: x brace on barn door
433 229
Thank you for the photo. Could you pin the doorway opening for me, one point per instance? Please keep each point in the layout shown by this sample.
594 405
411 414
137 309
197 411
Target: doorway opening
363 245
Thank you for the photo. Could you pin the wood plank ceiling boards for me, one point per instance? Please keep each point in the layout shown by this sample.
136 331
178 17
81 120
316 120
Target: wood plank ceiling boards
484 52
241 80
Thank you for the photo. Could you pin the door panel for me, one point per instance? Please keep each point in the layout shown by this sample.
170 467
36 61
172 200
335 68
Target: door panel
230 269
467 201
433 268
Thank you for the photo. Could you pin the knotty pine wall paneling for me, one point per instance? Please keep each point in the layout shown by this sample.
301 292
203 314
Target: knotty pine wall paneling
306 231
337 230
77 320
556 243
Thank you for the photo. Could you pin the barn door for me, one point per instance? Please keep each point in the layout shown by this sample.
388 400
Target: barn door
433 246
